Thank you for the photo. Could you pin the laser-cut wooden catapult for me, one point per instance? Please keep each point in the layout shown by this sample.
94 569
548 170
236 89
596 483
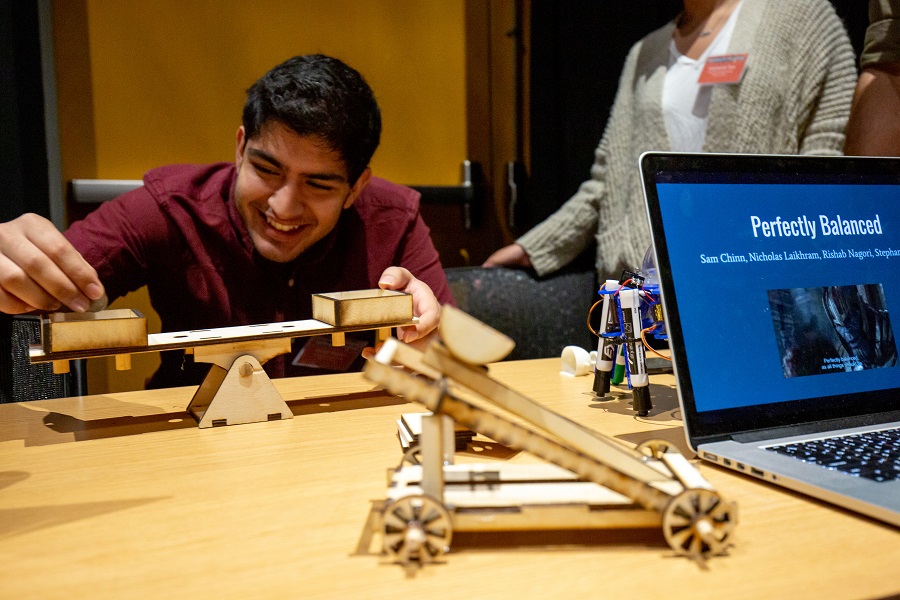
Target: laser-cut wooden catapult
237 389
594 482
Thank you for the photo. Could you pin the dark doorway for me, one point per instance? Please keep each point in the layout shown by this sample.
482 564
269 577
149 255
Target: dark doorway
23 162
577 51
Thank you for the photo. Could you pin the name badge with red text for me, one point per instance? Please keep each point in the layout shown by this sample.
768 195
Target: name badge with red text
724 69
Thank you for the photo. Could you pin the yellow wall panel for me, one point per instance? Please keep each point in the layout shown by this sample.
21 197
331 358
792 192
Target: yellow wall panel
168 76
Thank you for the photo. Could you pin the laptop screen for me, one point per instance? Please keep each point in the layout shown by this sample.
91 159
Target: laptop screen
780 278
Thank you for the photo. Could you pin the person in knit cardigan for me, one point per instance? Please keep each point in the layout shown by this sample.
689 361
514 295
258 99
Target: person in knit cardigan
794 98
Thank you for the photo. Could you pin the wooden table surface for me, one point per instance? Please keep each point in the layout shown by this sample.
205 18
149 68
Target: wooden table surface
121 496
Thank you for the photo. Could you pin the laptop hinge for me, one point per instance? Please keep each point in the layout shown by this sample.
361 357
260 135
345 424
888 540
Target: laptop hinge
817 427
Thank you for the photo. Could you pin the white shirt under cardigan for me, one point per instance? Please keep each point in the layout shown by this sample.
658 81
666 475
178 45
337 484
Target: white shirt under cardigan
685 102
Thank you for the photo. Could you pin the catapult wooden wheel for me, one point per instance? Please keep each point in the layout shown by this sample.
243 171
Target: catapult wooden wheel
412 456
654 448
416 528
698 522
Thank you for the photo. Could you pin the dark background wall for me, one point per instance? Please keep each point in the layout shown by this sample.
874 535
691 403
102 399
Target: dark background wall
23 148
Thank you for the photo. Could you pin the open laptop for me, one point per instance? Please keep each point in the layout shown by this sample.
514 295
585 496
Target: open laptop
780 278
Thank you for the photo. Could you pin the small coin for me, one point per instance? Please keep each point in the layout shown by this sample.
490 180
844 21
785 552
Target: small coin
99 304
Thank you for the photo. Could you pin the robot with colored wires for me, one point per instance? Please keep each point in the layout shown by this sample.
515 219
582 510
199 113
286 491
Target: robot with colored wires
631 310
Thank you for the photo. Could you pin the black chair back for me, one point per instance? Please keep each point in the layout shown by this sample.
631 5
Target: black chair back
542 314
19 379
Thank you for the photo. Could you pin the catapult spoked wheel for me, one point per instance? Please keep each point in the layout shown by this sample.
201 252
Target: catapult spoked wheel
416 528
412 456
654 448
697 523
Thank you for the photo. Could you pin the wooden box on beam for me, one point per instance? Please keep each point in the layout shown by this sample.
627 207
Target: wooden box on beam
118 328
362 307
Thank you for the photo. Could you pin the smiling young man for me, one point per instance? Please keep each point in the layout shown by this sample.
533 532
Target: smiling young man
248 242
290 190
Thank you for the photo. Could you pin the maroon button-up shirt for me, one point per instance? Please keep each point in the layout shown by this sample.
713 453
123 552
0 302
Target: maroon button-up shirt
182 236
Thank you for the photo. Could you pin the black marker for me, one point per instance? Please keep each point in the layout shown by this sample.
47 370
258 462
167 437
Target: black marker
606 346
630 300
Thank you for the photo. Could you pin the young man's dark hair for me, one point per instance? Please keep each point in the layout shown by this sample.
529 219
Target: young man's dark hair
318 95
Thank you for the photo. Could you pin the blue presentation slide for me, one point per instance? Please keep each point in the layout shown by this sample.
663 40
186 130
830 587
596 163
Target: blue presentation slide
785 292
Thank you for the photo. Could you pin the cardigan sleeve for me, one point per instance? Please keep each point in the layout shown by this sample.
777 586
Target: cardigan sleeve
827 79
562 236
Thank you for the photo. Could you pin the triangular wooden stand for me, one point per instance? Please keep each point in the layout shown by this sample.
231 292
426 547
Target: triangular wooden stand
237 390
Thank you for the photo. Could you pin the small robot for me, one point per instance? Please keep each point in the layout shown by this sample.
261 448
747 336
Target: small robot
630 311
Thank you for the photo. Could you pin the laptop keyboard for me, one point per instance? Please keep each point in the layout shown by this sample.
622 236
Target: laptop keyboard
874 455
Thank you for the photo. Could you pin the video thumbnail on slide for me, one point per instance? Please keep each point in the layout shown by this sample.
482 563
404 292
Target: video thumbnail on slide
833 329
